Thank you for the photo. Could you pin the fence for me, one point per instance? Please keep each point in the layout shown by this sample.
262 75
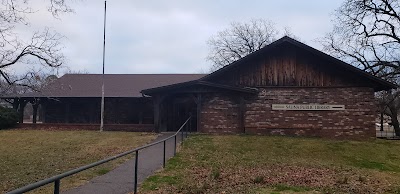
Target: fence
386 131
183 131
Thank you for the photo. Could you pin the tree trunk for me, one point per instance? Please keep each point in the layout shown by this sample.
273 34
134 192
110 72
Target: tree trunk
396 127
35 111
395 121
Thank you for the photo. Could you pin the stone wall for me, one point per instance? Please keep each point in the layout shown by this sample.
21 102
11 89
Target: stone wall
357 121
219 114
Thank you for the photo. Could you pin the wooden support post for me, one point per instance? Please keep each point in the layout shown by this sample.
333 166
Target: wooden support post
141 116
92 112
67 110
15 103
43 110
35 106
158 111
175 117
198 111
157 103
381 121
21 108
35 110
241 114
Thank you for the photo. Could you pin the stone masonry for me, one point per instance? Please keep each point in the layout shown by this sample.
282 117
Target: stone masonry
220 113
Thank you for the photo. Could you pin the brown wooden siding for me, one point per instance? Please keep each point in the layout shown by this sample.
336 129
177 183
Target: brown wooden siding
289 66
87 110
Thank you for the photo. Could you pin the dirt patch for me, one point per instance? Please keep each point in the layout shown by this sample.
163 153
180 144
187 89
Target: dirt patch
247 180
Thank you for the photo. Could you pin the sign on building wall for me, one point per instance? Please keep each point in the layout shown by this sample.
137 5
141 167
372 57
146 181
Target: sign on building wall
307 107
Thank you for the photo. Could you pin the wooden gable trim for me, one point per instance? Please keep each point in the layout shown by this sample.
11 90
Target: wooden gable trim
380 83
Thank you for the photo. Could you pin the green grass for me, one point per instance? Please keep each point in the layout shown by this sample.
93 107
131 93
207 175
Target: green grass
156 180
265 164
27 156
102 171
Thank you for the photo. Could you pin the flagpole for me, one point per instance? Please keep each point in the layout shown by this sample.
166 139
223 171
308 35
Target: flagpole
104 54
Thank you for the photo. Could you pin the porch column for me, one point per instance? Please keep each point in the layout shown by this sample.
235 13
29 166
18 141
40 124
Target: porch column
67 108
35 105
242 107
198 101
21 108
15 104
35 110
42 111
141 117
157 104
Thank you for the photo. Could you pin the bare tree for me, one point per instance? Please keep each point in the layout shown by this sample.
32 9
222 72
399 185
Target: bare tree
389 104
366 34
42 49
239 40
70 71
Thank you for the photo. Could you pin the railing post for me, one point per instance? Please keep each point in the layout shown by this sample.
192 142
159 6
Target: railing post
182 136
136 170
57 186
164 155
190 124
187 129
175 145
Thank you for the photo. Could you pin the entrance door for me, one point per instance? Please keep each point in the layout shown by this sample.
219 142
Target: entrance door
179 109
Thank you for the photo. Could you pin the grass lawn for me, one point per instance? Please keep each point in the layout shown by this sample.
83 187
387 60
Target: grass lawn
269 164
27 156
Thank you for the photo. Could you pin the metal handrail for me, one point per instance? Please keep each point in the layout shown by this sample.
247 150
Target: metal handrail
56 179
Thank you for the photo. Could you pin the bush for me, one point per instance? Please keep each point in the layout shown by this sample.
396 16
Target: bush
258 179
8 117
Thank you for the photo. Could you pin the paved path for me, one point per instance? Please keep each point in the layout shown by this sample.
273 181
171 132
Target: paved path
121 179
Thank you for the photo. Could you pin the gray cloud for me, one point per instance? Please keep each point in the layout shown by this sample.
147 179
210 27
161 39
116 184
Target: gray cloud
159 36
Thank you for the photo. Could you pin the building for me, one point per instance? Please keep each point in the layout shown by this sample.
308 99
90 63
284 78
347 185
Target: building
285 88
73 100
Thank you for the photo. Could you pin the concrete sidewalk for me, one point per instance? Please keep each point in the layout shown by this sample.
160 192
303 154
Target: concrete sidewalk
121 179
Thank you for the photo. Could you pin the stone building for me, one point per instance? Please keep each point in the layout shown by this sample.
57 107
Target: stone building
285 88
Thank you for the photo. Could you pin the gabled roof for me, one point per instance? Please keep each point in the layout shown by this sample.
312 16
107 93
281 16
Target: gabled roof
382 84
116 85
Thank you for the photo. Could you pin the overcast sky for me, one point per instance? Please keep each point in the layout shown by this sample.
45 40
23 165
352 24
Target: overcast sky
157 36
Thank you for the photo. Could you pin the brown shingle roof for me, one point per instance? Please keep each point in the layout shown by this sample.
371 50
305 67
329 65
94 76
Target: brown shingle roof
116 85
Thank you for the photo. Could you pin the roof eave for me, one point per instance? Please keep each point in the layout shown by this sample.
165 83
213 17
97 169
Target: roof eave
152 91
